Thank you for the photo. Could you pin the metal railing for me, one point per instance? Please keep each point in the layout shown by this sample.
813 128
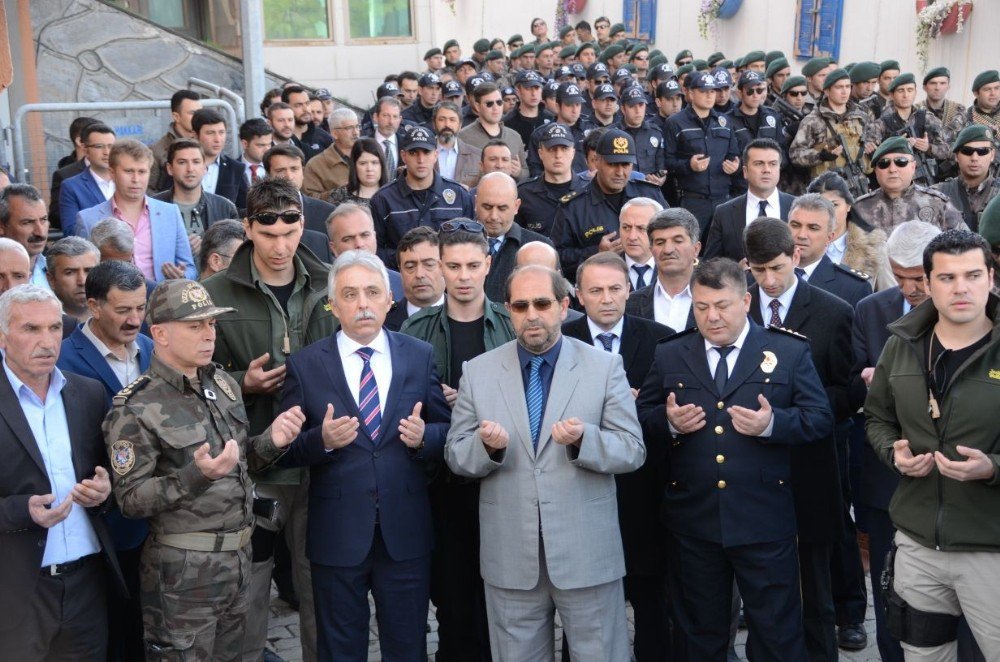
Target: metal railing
222 93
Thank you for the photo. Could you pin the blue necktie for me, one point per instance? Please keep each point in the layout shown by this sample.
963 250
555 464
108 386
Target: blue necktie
640 275
607 339
534 397
494 247
371 413
722 369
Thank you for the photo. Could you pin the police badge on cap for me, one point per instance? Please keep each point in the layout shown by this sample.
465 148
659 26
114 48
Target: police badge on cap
418 137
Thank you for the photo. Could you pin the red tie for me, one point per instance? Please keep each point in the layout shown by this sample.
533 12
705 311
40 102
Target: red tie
253 172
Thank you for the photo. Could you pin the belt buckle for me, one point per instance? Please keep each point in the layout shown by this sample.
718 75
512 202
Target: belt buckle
54 570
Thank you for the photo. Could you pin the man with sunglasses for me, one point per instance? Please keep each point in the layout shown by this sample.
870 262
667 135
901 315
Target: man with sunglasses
419 197
465 326
278 290
898 199
975 184
753 120
488 102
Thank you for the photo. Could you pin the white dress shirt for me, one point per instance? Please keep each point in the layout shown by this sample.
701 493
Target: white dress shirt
633 275
388 146
616 342
381 363
412 310
836 249
248 171
127 371
211 178
107 186
671 311
785 299
753 206
807 271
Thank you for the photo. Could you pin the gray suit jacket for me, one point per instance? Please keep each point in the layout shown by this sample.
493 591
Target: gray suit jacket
568 490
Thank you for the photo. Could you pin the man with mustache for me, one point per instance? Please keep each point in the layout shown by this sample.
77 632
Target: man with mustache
673 240
24 218
70 260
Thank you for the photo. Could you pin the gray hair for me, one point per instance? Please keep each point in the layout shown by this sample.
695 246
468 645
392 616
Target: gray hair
11 246
345 209
675 217
72 247
357 258
815 202
23 294
641 202
115 232
907 242
340 115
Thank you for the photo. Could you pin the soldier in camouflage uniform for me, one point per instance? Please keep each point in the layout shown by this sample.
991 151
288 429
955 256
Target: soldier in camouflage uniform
179 448
975 184
985 109
952 114
898 199
876 103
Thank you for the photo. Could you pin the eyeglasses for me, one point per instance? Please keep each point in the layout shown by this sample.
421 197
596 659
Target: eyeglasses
979 151
641 58
900 161
541 305
491 104
469 226
103 148
797 93
754 91
270 217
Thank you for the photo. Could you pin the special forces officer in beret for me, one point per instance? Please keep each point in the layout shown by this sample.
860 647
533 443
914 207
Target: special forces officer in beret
975 185
985 109
180 455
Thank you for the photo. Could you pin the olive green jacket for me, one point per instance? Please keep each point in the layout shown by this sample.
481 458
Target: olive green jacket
936 511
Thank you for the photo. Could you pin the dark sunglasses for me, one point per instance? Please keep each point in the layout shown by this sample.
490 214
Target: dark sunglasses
979 151
469 226
270 217
755 91
490 104
541 305
900 161
794 93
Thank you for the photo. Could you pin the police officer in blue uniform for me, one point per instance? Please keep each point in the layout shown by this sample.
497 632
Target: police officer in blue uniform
724 102
648 140
730 397
587 220
420 196
700 150
752 119
569 108
540 196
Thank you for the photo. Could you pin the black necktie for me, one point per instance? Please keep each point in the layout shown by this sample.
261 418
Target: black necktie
607 339
762 208
640 275
722 369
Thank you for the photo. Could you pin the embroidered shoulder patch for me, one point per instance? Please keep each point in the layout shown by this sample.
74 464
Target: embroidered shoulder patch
122 457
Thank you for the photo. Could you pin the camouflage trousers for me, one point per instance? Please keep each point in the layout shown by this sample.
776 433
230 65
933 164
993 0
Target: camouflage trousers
194 604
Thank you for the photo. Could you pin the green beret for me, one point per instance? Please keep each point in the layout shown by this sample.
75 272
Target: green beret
514 38
893 145
655 52
793 81
738 62
567 52
849 66
989 222
554 44
584 46
700 65
888 65
715 58
629 67
565 30
937 72
902 79
754 56
656 61
864 71
616 28
970 134
985 78
637 48
834 76
814 66
493 55
431 53
774 55
481 46
611 51
725 64
448 44
682 54
685 69
776 66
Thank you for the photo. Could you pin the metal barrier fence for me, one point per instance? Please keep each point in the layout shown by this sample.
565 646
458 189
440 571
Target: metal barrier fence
39 131
221 93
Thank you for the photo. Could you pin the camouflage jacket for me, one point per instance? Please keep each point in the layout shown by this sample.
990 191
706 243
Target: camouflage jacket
873 105
952 115
152 431
917 203
975 115
814 137
890 124
970 201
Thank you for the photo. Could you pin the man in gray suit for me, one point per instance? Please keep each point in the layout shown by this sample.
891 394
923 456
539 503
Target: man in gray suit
544 422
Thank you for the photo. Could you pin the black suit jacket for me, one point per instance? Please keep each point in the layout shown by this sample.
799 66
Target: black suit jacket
826 321
231 183
724 234
23 474
868 336
316 212
396 316
318 244
640 304
503 262
58 177
217 207
840 281
639 492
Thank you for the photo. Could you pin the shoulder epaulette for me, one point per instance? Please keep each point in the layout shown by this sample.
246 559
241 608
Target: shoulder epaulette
933 192
123 395
787 332
679 334
854 273
569 196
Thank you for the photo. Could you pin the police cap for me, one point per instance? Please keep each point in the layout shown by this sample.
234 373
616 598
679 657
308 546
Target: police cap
616 146
181 299
418 136
554 134
569 93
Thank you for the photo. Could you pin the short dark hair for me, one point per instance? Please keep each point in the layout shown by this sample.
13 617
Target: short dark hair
408 75
218 234
255 127
277 105
287 93
206 117
834 183
95 127
762 143
269 96
719 273
766 239
463 237
183 143
494 142
483 89
583 25
270 194
675 217
560 288
603 258
26 191
112 273
365 146
603 18
594 137
416 236
180 96
77 125
955 242
283 150
446 105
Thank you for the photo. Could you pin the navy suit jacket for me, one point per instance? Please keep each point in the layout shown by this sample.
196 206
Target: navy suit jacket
756 503
724 233
349 485
77 193
839 281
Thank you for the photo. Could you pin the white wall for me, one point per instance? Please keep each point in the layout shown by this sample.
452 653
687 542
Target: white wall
872 29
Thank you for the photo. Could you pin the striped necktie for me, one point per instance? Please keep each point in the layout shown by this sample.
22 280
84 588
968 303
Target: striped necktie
535 399
368 403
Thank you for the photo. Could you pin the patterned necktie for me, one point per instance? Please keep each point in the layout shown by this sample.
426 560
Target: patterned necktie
494 247
390 157
775 318
762 208
640 275
534 397
368 401
253 172
607 339
722 369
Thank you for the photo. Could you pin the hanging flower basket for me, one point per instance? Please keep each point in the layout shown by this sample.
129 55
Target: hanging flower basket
710 11
936 18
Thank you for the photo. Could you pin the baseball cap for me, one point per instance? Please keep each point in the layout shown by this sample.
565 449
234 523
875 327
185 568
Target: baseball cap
596 70
528 78
633 96
452 89
722 77
418 137
620 76
660 71
668 88
604 91
563 72
556 134
550 89
428 80
579 70
322 94
389 89
749 78
508 91
703 81
616 146
181 299
569 93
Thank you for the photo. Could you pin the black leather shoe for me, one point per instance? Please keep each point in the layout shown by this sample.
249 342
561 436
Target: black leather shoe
852 637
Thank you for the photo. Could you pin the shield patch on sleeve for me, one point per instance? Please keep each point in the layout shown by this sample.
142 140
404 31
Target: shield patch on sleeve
122 457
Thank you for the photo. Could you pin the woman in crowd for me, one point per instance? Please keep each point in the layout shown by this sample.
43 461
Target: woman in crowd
368 174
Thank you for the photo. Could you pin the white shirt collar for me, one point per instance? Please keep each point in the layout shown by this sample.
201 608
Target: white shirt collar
785 299
836 249
348 346
629 262
131 349
753 202
413 310
811 268
683 294
616 329
738 343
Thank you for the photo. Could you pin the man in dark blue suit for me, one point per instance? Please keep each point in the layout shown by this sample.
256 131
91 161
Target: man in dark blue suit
93 184
110 349
375 413
730 398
